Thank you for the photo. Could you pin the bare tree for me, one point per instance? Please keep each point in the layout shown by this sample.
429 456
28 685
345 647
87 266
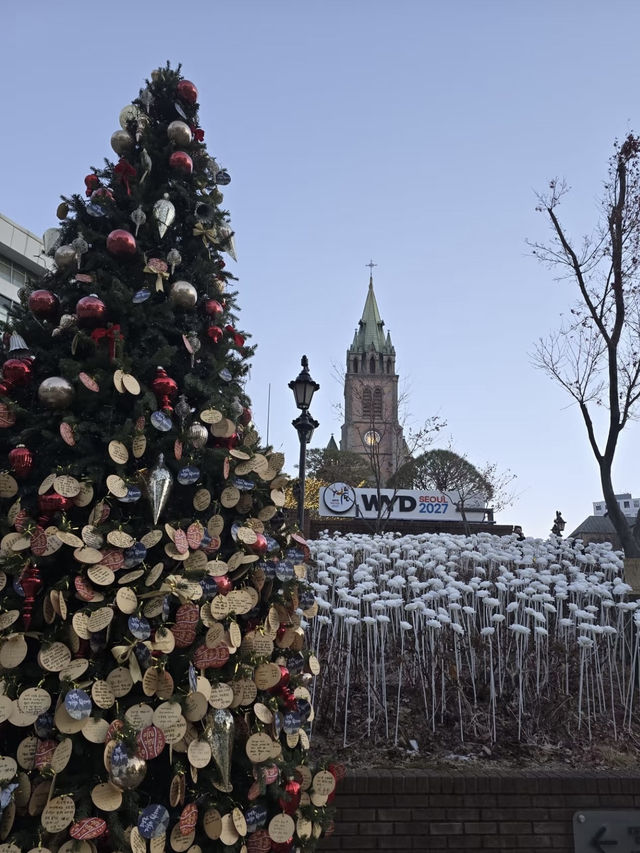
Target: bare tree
596 356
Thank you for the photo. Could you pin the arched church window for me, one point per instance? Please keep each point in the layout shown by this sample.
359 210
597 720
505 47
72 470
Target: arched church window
372 365
388 366
355 365
366 403
377 403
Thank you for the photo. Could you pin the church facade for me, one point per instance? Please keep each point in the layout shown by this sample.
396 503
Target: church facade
371 426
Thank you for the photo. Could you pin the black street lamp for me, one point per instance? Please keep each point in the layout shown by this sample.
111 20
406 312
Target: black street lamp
303 387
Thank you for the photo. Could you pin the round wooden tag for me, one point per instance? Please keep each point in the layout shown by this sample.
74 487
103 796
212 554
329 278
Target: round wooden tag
58 813
281 828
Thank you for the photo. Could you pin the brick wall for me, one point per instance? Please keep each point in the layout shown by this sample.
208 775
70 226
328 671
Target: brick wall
520 811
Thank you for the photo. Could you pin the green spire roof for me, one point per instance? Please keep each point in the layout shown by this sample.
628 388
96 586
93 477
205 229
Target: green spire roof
370 331
332 446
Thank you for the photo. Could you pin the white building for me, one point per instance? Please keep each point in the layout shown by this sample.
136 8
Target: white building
627 504
21 257
599 528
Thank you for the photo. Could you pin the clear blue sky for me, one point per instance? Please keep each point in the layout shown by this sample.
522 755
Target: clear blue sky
413 133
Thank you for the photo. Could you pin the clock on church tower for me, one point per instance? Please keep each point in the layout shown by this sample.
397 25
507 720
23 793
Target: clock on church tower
371 425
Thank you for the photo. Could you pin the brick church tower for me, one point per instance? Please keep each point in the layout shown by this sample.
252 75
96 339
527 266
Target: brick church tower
371 425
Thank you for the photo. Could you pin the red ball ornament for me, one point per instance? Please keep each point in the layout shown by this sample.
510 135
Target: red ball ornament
53 502
230 442
181 162
165 388
121 243
290 801
284 676
338 771
260 546
44 304
21 461
213 308
288 698
91 310
215 333
16 372
238 339
91 182
187 91
224 584
245 417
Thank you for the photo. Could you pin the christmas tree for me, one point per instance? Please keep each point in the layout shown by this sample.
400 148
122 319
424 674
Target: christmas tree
154 685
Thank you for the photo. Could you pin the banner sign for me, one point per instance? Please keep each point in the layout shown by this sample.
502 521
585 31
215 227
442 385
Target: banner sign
341 499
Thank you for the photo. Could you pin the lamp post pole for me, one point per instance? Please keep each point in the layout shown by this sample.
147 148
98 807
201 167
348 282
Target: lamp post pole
303 387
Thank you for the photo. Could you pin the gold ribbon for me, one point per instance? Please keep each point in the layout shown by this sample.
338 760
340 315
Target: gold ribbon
209 235
122 653
173 586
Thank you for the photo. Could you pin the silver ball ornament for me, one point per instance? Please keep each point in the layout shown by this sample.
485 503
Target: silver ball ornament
197 435
55 392
174 259
122 142
183 294
179 133
51 239
236 408
130 775
65 256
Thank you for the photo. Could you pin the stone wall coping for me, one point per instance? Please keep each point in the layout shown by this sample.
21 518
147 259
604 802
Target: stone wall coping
486 773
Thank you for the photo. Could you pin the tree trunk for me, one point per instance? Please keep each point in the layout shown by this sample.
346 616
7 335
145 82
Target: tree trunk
465 521
636 527
630 545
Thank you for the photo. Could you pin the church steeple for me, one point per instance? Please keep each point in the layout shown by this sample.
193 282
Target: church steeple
371 426
370 335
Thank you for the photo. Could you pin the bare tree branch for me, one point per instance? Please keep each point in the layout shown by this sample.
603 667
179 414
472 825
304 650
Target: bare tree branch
596 358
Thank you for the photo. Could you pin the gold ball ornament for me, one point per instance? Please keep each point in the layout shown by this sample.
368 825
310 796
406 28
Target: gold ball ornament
179 133
132 113
65 256
122 142
129 775
183 295
67 322
55 392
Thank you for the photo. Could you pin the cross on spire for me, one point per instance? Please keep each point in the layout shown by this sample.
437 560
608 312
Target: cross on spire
371 265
